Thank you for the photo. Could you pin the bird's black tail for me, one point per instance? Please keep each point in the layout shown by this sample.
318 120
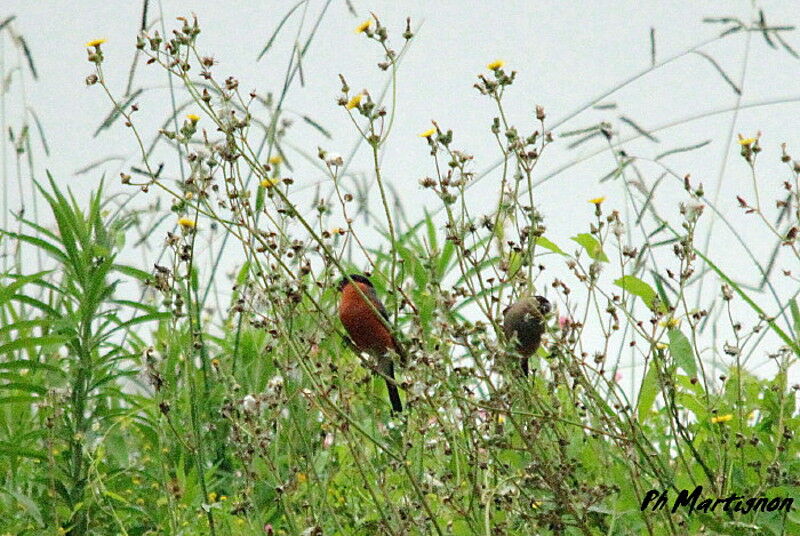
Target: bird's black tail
394 394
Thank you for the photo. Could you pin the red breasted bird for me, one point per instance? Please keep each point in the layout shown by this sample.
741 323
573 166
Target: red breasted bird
524 322
367 330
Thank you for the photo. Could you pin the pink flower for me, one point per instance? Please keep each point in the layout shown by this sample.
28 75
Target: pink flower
618 377
268 529
563 322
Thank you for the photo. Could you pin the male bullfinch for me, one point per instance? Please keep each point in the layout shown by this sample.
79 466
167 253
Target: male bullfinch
366 329
524 321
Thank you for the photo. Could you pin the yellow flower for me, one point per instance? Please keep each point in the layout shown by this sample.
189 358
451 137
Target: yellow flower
301 477
428 133
187 223
212 496
275 160
721 418
95 43
670 323
495 65
215 363
223 498
364 26
747 141
354 101
597 200
337 231
193 118
501 419
661 346
269 183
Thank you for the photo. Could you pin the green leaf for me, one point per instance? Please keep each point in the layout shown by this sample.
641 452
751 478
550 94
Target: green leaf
681 350
547 244
795 317
514 264
648 392
39 243
7 449
8 290
28 364
260 192
637 287
141 275
30 343
593 248
244 272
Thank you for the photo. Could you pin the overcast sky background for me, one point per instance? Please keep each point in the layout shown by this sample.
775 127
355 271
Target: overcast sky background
566 53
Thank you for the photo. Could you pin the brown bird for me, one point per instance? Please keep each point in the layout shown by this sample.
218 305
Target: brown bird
369 333
524 321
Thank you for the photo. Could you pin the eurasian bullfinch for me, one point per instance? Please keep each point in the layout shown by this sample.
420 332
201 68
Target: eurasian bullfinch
524 322
368 331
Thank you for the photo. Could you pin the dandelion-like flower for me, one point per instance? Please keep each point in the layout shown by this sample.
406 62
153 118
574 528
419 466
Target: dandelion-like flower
95 43
364 26
428 133
495 65
597 200
275 160
269 183
670 323
721 418
354 101
337 231
747 141
187 223
193 118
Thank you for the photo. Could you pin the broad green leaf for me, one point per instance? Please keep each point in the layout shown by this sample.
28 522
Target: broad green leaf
637 287
681 350
514 264
648 392
260 193
593 248
547 244
244 272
